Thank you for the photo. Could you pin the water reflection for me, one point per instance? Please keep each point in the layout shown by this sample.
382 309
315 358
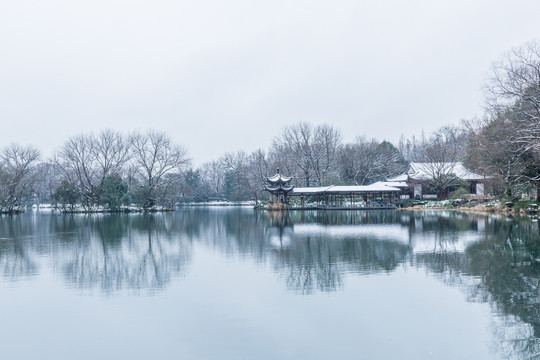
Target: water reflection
111 252
311 249
508 264
492 260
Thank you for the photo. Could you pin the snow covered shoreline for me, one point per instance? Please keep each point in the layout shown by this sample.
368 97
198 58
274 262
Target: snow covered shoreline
493 207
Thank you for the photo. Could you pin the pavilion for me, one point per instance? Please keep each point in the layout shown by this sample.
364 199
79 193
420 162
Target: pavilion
378 195
279 187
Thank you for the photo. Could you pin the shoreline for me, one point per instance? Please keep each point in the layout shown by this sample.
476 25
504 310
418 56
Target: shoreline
478 209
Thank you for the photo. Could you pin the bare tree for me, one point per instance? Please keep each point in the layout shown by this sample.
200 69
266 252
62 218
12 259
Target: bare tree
439 160
111 152
368 161
491 151
515 83
359 163
453 139
513 91
159 163
257 172
87 159
75 160
326 145
236 180
213 178
312 150
296 145
17 174
412 148
48 179
245 175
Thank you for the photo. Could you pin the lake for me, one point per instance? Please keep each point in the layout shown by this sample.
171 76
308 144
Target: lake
235 283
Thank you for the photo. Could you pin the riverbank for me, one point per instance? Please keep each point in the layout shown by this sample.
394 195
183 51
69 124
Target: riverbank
522 207
79 209
219 203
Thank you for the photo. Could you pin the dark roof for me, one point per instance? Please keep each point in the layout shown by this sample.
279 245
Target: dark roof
279 188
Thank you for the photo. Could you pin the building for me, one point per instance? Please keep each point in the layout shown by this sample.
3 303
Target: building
279 188
378 195
416 181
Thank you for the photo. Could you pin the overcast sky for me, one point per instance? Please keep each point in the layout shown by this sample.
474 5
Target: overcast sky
222 76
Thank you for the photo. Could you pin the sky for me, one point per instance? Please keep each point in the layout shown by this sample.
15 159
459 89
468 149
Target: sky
222 76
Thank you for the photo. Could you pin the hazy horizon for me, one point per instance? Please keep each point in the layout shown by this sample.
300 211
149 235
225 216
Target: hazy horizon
220 77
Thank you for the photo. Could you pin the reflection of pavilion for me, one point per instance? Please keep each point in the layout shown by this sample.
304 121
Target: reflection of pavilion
280 232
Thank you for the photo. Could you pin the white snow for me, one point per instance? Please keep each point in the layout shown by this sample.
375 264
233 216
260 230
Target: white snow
376 187
424 171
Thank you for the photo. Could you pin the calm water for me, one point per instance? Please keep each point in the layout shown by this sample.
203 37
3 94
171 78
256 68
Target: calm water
232 283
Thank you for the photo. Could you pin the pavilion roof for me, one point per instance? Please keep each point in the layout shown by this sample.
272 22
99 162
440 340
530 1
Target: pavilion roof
278 178
279 188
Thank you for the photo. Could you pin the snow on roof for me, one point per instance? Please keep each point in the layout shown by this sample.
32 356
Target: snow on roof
311 190
399 178
279 178
425 171
381 186
398 184
376 187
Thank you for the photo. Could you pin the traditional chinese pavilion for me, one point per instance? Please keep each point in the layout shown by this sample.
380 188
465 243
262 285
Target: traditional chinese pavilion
380 195
279 187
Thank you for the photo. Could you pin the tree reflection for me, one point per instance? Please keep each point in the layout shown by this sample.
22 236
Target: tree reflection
109 252
15 261
492 260
126 251
311 260
508 263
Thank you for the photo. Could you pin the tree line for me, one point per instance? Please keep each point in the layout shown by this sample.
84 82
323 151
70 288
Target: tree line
106 170
506 142
147 169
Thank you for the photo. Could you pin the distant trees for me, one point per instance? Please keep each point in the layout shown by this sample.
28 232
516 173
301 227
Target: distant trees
236 176
310 151
367 161
259 168
245 175
236 182
159 164
17 175
111 169
193 188
213 178
48 179
87 159
66 196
